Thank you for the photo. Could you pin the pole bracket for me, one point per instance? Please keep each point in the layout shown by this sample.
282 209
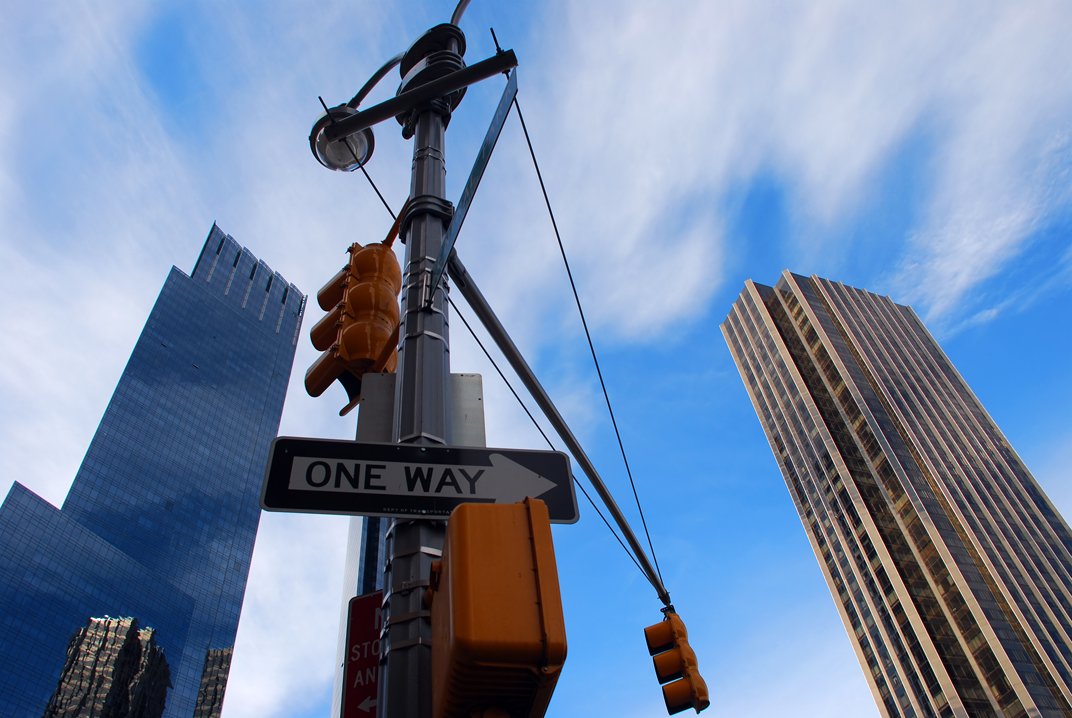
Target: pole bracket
424 204
410 98
407 617
387 648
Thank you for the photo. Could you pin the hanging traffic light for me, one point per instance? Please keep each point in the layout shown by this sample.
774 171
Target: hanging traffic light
675 665
360 332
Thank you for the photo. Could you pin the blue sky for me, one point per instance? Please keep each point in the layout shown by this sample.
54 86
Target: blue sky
922 152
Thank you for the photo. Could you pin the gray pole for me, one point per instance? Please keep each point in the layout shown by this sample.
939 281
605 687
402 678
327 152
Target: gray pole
421 405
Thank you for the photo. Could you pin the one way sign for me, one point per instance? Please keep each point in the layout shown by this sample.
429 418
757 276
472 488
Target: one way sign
407 480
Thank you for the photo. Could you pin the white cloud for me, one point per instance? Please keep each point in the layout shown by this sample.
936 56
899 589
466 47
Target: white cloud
817 658
287 637
80 240
1006 112
682 100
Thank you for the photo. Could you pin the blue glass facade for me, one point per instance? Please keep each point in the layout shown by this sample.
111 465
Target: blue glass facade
160 521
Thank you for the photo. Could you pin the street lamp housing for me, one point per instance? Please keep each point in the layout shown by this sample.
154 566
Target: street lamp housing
344 154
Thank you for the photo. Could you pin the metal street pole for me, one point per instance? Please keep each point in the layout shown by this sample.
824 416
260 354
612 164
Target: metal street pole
421 402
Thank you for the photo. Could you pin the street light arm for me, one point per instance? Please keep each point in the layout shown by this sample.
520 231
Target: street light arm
374 80
411 98
458 11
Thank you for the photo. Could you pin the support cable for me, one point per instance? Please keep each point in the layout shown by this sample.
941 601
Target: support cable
479 304
351 148
637 553
514 392
588 335
376 189
542 433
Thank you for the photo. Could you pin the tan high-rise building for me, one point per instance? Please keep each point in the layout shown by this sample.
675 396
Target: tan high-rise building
951 569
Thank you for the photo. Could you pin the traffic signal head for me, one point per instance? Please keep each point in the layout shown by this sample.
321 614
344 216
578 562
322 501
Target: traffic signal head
675 665
359 334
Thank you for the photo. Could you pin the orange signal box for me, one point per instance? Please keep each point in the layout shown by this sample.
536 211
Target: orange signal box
498 634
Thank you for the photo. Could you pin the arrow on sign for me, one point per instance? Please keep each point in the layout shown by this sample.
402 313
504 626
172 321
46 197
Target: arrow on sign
367 704
504 481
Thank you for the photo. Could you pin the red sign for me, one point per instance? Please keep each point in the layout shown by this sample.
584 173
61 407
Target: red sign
362 672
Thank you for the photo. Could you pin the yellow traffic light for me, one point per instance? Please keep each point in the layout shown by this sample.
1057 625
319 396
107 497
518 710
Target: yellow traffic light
675 665
360 332
498 634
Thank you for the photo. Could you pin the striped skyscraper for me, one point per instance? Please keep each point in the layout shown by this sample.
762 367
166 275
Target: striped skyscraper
951 569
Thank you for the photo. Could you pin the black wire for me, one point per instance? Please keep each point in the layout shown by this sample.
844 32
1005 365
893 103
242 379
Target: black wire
587 334
512 391
540 429
374 187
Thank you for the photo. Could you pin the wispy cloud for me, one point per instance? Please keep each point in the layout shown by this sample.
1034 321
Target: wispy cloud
287 637
1007 110
686 100
81 231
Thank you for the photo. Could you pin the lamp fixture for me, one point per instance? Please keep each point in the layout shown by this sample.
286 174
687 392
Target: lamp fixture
345 154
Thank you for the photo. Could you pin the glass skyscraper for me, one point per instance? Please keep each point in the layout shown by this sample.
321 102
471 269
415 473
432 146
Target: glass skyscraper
951 570
160 520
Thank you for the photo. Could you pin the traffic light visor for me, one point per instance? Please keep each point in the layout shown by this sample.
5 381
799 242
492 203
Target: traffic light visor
686 693
659 637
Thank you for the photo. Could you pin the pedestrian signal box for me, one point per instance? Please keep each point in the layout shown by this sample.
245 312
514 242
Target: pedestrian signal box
498 634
